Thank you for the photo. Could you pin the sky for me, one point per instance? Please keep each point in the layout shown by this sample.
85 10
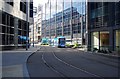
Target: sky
36 2
53 6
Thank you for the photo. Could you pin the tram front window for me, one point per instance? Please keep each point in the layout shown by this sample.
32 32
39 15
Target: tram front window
62 40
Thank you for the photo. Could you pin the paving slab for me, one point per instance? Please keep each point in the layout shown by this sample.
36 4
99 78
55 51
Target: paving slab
13 71
14 62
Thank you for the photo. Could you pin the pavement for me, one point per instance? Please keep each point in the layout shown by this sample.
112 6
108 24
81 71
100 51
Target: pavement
110 55
13 62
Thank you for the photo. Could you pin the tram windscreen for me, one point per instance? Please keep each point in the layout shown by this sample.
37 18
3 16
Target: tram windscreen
62 40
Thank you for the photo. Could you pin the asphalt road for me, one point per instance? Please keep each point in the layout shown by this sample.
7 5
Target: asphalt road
69 63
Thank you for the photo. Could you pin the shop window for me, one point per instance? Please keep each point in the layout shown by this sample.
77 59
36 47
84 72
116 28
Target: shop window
104 40
118 40
95 40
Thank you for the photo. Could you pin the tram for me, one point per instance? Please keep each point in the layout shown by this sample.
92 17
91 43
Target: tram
44 41
61 41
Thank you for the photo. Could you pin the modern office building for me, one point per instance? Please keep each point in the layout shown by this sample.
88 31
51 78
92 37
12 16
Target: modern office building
104 25
69 21
71 30
35 32
14 20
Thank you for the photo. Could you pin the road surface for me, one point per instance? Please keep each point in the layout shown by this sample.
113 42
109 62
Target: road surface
71 63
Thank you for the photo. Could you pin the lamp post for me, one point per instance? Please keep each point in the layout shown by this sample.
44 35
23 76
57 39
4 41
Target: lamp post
33 31
27 13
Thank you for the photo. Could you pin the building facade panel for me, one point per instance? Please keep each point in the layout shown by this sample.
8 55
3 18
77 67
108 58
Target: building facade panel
14 30
103 25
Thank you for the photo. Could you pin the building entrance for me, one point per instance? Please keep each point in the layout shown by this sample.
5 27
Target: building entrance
104 40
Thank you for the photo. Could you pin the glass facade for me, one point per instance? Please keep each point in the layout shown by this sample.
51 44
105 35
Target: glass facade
8 29
95 40
103 24
65 19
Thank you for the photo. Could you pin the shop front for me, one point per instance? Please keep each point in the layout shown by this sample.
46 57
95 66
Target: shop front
100 40
117 44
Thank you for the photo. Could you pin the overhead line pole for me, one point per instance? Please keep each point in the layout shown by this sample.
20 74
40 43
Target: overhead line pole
86 11
45 22
56 20
71 30
63 19
81 19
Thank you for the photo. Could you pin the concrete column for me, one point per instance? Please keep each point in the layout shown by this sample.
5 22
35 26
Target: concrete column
99 39
16 33
114 41
89 41
111 39
0 30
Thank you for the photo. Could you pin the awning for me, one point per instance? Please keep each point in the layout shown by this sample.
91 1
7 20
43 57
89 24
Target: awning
23 37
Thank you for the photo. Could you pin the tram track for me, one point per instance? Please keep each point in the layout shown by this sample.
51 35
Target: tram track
62 75
80 69
74 67
83 69
59 61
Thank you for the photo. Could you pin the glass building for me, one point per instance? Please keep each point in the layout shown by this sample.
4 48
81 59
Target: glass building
104 26
64 18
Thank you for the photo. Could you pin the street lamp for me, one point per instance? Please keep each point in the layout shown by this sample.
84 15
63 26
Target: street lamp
27 15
